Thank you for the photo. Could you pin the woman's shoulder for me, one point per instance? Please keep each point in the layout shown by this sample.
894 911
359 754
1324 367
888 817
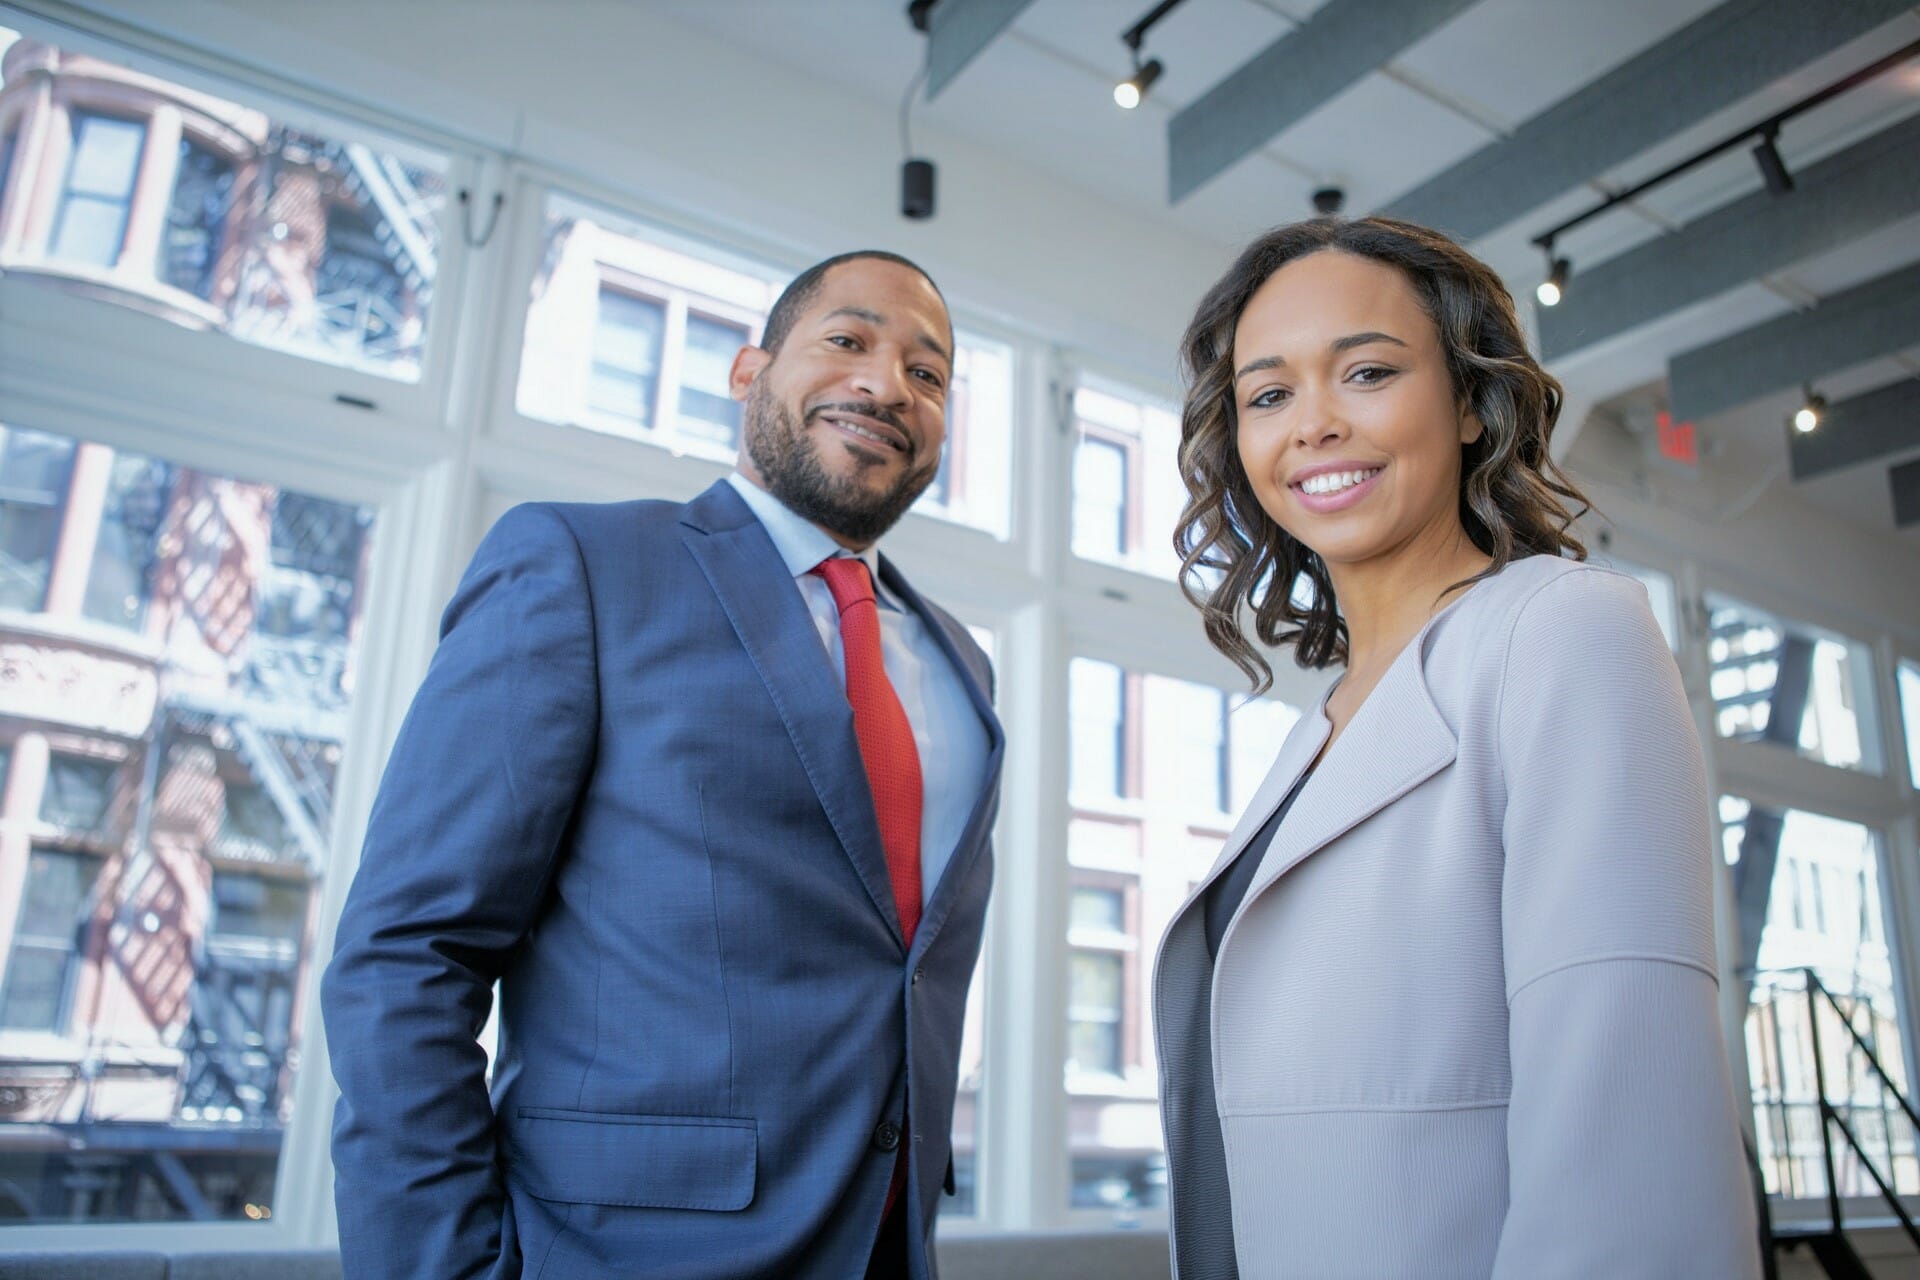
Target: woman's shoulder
1543 608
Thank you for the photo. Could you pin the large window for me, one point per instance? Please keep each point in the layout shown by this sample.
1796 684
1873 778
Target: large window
1159 767
631 330
1808 888
216 215
176 786
1792 685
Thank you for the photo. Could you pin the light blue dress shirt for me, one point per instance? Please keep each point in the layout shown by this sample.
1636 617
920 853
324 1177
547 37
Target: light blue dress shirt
947 730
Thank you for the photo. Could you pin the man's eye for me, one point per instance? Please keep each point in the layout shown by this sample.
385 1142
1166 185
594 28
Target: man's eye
929 376
842 340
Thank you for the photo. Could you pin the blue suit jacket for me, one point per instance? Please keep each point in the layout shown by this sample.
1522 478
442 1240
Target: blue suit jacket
629 792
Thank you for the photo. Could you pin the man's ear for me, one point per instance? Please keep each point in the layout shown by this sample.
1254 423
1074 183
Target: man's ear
747 364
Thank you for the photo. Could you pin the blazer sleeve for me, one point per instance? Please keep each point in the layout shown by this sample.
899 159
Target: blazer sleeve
1623 1140
459 849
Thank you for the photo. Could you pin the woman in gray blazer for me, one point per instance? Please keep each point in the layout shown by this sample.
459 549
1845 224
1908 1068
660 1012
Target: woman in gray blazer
1447 1004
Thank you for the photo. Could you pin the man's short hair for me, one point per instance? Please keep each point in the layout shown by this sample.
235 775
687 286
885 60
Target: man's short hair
805 287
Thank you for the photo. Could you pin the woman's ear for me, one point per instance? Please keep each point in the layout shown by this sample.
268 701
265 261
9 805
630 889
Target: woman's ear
1471 428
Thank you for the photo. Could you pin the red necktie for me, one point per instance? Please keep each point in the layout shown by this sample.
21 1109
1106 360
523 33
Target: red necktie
886 736
891 758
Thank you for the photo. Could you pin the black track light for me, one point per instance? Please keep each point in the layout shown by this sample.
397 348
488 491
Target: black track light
1128 93
1812 409
1329 201
1772 168
1555 285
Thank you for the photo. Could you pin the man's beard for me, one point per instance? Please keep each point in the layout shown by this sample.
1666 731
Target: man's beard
789 464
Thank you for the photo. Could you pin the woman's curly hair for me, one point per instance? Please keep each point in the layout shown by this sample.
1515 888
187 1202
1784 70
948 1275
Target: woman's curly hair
1514 499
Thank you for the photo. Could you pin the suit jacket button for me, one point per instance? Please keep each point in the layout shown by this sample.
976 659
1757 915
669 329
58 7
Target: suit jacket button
887 1136
917 975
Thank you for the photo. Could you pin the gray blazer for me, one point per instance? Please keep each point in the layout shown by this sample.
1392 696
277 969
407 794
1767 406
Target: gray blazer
1464 1022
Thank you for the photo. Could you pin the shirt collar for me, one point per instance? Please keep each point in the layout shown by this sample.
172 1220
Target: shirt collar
801 543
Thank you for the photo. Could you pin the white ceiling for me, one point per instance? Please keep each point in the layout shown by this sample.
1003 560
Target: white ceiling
1041 93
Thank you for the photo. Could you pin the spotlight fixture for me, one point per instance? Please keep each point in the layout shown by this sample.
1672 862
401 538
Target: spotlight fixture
1772 168
1329 201
1555 285
1812 409
1128 92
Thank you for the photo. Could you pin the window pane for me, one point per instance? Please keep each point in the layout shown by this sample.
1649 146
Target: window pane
190 957
1134 858
299 239
1790 685
1822 911
1127 492
707 406
78 792
1100 500
118 586
34 470
46 939
1099 910
1910 717
196 219
1096 698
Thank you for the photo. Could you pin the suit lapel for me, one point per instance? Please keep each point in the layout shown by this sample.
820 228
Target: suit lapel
764 606
973 836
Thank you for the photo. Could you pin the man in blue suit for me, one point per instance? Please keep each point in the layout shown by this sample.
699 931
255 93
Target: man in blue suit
706 790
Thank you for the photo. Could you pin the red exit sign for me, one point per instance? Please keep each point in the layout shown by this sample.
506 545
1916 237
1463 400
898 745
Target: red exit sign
1678 440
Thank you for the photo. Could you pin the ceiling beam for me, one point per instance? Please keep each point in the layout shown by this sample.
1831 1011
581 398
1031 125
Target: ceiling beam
1905 480
958 30
1851 327
1715 61
1342 41
1858 429
1835 201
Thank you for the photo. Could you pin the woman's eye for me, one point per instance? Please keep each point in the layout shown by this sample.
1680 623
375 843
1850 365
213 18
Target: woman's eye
1267 399
1371 373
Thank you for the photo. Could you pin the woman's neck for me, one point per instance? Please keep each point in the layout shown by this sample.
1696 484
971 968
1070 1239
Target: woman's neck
1385 601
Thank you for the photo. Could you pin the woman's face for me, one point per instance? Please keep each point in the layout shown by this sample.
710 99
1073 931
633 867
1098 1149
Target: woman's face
1348 426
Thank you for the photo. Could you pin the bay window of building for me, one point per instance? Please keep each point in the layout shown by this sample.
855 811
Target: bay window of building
170 784
1791 685
213 214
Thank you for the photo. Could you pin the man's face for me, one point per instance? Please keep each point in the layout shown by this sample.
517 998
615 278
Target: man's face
845 424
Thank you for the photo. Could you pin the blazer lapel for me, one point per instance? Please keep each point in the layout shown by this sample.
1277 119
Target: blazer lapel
973 836
1396 741
760 599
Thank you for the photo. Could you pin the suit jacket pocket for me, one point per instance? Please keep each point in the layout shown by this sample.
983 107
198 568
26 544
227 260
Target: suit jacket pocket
642 1161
